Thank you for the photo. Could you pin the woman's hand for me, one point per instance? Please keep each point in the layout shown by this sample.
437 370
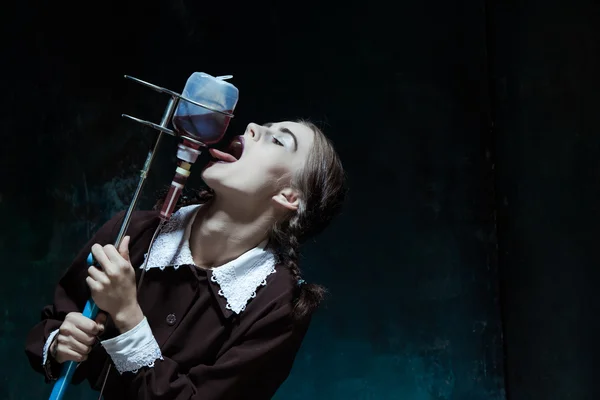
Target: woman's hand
113 285
75 338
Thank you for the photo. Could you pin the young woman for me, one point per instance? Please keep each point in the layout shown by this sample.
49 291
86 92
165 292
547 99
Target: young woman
222 309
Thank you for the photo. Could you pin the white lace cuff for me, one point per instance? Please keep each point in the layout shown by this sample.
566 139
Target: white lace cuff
133 349
47 346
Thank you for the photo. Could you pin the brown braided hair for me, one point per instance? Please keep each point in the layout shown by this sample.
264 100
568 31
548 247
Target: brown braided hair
322 187
321 184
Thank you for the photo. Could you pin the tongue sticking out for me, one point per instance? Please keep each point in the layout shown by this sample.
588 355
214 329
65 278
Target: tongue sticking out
232 153
222 156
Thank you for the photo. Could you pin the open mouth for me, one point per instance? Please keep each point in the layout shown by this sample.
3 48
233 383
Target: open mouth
232 152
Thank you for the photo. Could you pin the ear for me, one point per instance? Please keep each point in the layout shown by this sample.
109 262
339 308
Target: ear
288 198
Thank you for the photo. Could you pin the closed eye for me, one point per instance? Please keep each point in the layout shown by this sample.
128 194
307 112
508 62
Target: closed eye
277 142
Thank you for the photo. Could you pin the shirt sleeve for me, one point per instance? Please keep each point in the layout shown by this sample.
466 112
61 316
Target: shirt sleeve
70 295
47 346
133 349
252 369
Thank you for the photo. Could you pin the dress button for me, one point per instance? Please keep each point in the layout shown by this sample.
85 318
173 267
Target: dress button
171 319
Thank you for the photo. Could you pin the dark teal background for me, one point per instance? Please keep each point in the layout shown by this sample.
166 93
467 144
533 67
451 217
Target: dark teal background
547 93
469 135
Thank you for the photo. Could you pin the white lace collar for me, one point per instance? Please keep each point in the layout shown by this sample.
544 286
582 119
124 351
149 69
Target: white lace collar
238 279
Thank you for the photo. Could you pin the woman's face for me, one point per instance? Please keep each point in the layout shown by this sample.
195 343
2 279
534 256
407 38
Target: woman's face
272 153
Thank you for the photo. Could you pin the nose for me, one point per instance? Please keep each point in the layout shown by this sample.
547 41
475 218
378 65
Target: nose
253 131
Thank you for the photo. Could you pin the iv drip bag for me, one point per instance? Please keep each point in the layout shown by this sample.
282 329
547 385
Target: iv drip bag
199 123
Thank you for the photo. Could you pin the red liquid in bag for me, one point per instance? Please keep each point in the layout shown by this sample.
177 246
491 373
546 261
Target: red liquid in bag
208 128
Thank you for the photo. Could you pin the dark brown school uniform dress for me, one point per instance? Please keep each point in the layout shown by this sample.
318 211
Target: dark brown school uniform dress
226 333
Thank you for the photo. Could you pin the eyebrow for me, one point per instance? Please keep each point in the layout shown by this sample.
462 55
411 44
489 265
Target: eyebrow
285 130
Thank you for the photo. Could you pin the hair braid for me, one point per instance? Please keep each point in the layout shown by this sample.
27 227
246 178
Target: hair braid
287 241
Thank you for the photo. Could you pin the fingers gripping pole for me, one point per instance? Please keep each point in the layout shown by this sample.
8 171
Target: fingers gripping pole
66 374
